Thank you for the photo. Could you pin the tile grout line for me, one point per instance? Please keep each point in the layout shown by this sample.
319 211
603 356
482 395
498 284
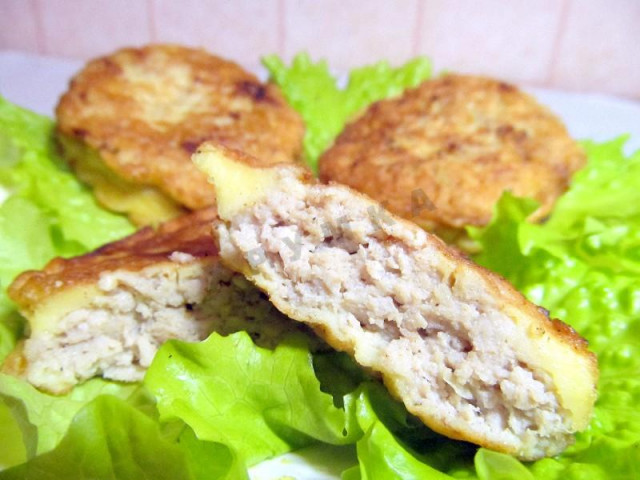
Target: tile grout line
36 10
557 42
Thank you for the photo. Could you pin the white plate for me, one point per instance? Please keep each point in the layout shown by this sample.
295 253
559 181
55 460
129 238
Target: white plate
36 83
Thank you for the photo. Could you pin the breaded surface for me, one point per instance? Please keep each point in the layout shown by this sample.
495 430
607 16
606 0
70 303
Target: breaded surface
106 313
143 112
464 351
190 234
442 153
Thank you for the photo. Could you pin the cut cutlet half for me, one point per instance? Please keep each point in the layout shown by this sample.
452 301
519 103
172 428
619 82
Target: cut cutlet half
106 313
464 351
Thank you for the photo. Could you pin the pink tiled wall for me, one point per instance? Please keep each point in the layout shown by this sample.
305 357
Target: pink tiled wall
589 45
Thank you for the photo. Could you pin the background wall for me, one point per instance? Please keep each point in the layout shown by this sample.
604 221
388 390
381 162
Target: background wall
583 45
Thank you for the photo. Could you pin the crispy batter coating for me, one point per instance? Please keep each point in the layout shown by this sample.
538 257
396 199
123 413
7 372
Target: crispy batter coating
442 154
131 120
190 234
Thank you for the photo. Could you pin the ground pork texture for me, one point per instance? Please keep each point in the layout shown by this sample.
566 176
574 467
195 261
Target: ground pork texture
457 344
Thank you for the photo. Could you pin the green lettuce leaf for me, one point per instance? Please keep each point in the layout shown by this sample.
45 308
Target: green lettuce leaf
11 329
44 418
31 168
48 212
397 445
326 107
110 439
492 465
29 246
13 451
583 265
44 212
260 402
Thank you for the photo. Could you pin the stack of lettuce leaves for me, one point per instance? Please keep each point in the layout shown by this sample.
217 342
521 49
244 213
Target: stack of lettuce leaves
210 410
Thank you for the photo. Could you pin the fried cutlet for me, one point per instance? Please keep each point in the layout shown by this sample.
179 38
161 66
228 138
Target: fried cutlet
464 351
130 121
442 153
107 312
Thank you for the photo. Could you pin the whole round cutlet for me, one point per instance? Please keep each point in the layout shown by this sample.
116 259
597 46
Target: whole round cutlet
442 154
145 110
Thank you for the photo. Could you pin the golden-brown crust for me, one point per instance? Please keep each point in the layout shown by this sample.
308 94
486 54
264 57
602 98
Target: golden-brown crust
15 364
191 234
442 153
146 110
